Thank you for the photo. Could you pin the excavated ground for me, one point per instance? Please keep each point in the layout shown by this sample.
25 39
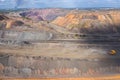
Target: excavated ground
57 56
22 55
57 60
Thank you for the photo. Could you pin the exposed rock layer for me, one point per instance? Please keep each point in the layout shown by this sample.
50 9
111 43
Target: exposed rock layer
106 21
37 66
43 14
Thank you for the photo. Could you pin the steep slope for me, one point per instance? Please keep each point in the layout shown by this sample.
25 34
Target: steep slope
7 22
43 14
3 17
107 21
3 21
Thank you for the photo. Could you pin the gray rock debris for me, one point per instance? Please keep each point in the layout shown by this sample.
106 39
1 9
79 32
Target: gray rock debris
25 72
11 71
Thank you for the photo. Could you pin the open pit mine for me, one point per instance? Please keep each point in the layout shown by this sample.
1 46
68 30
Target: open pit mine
54 43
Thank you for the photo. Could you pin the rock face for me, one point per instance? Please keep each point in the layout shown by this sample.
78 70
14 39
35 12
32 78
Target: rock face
104 21
7 23
18 23
43 14
3 20
3 17
42 67
26 72
1 68
26 35
11 71
13 23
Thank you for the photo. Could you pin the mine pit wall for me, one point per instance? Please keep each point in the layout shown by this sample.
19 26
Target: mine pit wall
12 37
39 66
25 35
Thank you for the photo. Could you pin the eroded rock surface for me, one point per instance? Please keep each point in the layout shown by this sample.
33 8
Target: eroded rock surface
89 21
24 66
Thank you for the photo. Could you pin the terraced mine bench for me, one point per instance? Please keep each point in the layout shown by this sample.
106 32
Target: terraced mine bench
48 57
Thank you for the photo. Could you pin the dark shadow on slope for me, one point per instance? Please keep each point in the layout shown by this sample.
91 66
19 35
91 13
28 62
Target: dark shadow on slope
110 36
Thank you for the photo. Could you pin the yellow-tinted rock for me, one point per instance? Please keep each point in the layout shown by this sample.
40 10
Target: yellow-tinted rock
89 19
